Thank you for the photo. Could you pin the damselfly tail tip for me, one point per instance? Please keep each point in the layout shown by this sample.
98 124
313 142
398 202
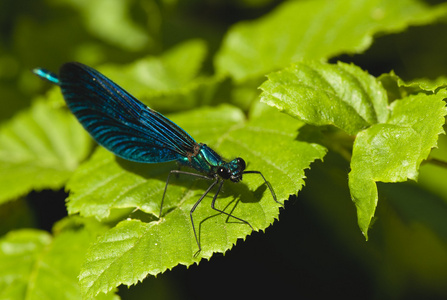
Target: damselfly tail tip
47 75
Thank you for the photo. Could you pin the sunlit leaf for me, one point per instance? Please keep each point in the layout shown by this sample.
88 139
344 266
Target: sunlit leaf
110 20
314 30
35 265
152 246
393 152
39 149
323 94
164 82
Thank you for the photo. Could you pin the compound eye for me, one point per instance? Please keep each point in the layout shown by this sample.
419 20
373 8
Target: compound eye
241 163
224 172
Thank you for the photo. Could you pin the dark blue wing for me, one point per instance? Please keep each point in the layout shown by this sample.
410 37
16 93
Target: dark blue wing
118 121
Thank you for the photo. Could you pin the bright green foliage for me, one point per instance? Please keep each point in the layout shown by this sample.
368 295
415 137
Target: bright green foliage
162 82
105 183
313 29
398 88
393 152
391 140
40 148
383 126
35 265
116 27
162 73
322 94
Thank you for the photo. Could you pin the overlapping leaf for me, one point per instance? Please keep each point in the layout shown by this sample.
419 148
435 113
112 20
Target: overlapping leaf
393 152
398 88
391 140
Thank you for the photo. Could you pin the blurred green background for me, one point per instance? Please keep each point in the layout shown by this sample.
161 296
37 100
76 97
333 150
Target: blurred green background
316 251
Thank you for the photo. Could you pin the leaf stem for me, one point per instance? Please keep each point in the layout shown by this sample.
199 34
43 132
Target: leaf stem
437 162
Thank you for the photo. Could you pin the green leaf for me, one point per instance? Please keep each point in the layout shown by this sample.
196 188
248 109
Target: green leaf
398 88
105 181
391 141
39 148
323 94
165 84
19 252
111 21
34 265
314 30
135 248
393 152
161 73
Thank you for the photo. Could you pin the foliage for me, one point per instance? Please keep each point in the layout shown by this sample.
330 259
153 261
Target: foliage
271 90
391 141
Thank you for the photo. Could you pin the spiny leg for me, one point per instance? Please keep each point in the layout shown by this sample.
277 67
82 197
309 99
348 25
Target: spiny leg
194 208
267 183
179 172
225 213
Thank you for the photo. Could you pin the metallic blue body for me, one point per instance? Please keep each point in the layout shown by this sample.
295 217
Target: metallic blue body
128 128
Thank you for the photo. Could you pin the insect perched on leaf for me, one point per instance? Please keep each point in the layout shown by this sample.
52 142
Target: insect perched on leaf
131 130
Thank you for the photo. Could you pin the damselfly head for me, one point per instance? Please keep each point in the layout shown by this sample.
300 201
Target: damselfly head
232 170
